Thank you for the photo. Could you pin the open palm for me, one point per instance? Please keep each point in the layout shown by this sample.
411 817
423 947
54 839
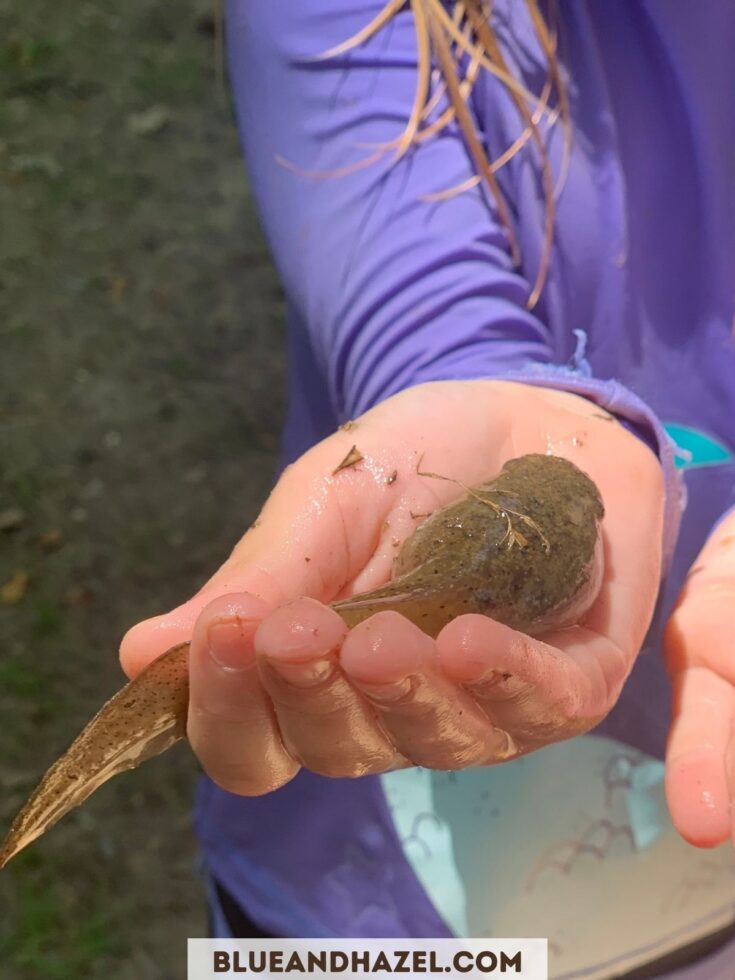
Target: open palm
277 680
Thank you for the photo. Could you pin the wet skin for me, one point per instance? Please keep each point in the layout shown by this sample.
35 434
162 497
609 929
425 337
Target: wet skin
524 549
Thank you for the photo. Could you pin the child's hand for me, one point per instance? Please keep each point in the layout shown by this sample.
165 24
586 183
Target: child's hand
277 681
700 647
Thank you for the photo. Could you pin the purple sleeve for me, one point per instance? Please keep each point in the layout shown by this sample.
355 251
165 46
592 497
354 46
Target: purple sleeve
394 290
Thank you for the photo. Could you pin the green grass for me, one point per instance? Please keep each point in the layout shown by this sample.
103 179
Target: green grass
21 680
87 199
47 619
55 934
25 488
29 66
169 78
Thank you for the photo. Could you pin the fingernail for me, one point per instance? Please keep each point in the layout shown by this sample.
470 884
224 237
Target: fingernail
388 693
228 644
505 747
305 674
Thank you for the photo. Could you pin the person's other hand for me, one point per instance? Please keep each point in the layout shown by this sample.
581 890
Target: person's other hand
700 650
277 681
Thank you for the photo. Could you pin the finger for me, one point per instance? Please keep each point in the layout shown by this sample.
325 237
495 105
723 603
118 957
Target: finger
718 554
699 632
539 690
696 776
730 775
231 726
427 718
324 722
316 532
700 651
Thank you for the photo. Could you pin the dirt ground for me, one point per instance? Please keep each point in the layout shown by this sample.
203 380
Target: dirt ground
141 393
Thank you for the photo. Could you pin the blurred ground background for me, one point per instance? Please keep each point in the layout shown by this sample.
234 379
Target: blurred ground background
141 380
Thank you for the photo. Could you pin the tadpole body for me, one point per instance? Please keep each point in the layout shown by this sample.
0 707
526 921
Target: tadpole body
524 549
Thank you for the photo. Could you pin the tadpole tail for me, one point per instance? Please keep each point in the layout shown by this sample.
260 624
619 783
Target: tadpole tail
387 597
142 720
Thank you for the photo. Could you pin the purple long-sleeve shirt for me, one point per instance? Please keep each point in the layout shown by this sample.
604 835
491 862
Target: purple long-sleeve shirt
387 290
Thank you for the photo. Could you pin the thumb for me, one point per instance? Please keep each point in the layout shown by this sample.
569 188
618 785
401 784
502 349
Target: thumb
314 534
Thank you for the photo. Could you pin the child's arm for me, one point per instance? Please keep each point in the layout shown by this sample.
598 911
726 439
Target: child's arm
390 289
391 292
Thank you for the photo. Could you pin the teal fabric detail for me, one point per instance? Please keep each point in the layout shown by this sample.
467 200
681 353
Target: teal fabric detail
694 449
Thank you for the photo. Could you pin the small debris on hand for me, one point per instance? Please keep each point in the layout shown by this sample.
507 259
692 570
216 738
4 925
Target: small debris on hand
348 426
352 458
15 588
390 480
12 518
